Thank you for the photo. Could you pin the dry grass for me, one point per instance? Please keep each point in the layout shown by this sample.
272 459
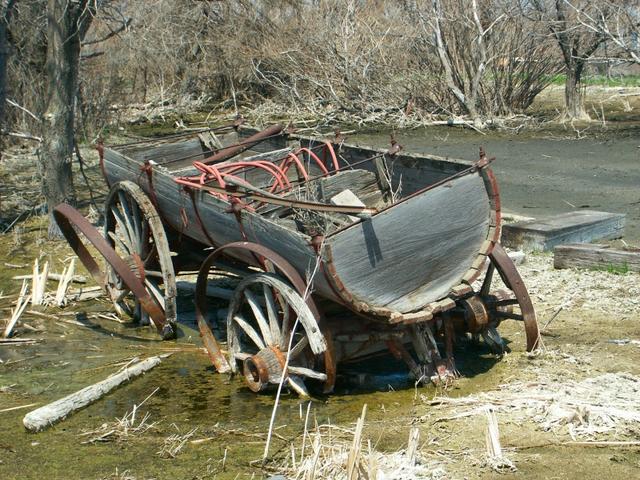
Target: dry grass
593 290
132 424
174 444
335 452
602 408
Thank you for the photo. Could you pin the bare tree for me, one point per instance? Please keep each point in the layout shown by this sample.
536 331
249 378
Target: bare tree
577 44
67 23
616 21
491 59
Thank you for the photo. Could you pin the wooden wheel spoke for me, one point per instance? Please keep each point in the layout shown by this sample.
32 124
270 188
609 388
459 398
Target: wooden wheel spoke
122 295
253 302
118 243
297 384
250 331
138 222
298 347
128 218
272 313
509 315
286 320
152 254
306 372
124 231
507 302
155 291
486 284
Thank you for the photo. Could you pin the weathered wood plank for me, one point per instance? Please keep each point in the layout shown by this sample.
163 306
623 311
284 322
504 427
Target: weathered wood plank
184 151
596 256
581 226
414 252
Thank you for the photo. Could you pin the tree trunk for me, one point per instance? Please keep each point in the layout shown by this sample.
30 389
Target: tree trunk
5 18
67 23
574 93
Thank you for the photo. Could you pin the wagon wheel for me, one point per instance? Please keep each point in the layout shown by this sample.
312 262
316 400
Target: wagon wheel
260 335
135 231
71 222
502 306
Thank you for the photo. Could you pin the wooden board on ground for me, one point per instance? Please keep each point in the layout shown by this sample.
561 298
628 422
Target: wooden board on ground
596 256
581 226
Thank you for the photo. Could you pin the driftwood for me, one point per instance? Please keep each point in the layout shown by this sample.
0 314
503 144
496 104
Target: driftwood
42 417
595 256
84 294
21 304
18 341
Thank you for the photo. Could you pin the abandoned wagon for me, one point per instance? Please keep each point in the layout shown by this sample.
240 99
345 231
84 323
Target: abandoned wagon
338 252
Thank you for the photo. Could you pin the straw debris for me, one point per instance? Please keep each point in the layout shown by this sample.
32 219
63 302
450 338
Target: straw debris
596 408
339 453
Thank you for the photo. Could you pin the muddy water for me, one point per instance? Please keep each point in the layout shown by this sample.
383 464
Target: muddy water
544 173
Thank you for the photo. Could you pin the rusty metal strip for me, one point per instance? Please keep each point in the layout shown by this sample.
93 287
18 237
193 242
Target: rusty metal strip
196 211
493 234
67 217
512 279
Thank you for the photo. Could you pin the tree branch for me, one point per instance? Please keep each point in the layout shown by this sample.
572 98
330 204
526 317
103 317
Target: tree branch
111 34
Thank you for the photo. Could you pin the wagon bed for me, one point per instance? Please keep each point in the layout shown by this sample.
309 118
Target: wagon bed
408 254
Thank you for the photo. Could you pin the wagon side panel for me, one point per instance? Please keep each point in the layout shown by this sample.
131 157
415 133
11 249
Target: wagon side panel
415 252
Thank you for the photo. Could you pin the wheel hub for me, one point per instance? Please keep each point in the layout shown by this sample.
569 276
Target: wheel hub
263 368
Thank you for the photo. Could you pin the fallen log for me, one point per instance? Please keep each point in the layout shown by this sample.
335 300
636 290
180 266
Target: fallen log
18 341
596 256
43 417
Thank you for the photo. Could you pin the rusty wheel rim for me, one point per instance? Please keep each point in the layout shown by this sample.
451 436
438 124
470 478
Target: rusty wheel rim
502 307
69 219
134 230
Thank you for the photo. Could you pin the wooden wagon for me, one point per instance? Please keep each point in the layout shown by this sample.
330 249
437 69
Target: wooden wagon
338 251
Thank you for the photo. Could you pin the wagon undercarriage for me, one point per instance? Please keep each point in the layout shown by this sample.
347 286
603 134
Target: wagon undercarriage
336 253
